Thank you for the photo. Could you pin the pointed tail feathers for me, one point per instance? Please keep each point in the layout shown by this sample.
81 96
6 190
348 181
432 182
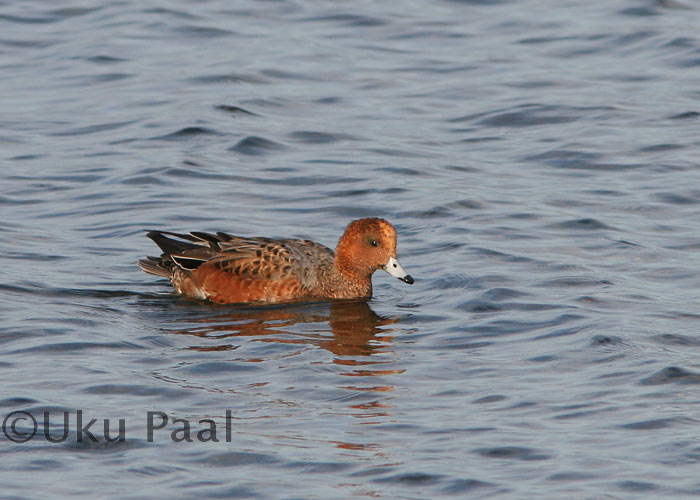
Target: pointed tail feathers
154 265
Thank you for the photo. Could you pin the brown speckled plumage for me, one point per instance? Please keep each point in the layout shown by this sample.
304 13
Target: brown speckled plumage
232 269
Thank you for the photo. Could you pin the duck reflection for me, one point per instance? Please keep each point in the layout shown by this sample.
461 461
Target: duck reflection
356 330
359 340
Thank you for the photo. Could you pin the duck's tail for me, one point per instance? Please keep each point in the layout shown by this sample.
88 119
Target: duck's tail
155 265
175 252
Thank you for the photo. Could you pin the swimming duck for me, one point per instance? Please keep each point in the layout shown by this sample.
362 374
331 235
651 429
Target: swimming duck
227 269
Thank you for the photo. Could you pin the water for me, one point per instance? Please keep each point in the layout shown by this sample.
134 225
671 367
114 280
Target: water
538 158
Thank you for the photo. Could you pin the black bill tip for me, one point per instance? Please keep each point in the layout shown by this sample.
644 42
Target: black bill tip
407 279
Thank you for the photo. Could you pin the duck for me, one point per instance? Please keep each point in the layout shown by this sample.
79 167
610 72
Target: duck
228 269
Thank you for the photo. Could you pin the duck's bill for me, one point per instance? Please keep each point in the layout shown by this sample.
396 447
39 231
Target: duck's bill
394 268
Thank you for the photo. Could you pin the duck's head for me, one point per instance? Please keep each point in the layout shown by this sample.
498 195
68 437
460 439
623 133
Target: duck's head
367 245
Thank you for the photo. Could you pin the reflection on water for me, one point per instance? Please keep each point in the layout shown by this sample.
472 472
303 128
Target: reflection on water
356 329
358 339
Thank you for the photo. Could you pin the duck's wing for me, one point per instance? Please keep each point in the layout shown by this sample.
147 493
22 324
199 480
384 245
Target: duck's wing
244 257
310 261
272 259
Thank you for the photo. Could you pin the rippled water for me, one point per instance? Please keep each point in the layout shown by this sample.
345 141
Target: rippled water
539 159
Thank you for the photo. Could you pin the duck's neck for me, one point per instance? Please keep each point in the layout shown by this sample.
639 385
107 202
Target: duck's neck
349 282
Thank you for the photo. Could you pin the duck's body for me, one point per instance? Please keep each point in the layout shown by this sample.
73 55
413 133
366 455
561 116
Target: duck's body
231 269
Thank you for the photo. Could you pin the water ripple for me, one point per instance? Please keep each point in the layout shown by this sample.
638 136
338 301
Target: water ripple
256 146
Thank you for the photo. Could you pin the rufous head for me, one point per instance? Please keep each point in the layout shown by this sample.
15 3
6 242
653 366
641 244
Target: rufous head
367 245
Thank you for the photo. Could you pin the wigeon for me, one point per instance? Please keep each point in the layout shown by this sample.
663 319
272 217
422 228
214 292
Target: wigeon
226 269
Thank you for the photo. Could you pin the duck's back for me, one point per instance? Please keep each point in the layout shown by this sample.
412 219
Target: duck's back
274 259
225 268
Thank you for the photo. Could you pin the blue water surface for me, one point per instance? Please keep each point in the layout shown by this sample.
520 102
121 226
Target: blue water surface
539 159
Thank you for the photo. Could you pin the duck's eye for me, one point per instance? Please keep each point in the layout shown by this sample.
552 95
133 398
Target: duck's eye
374 243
